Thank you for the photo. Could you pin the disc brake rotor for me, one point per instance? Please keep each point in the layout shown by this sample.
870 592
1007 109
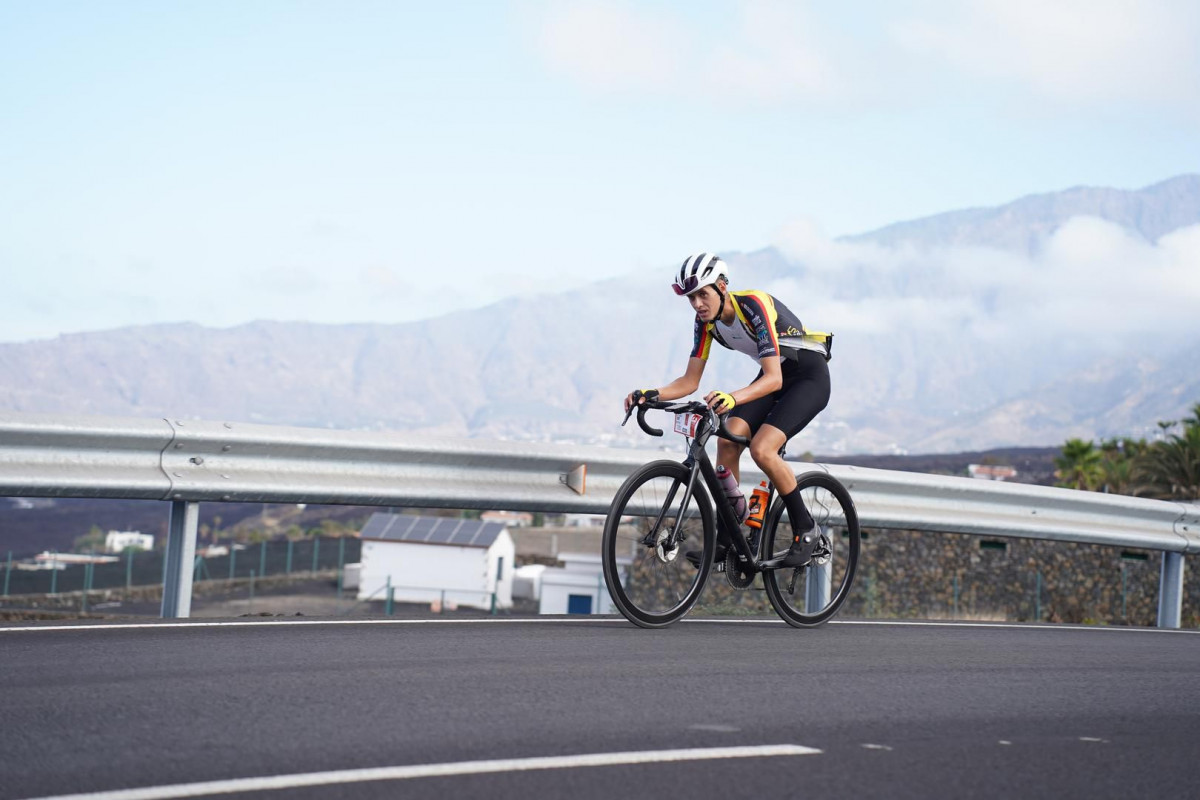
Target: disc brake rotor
665 551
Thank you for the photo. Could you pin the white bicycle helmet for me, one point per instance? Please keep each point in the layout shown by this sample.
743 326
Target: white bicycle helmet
698 271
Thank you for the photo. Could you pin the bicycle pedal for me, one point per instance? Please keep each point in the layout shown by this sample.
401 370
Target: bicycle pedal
719 566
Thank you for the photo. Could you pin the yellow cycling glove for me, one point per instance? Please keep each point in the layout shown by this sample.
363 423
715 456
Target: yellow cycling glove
723 402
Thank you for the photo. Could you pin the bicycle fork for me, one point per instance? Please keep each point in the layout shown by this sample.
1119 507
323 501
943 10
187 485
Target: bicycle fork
652 537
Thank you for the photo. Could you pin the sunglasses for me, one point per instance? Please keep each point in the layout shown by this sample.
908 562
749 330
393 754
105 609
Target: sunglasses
689 286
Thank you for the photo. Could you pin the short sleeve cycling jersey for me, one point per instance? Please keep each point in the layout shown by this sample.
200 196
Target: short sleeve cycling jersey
763 327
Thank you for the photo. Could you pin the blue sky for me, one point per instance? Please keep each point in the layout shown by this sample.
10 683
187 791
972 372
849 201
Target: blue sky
220 162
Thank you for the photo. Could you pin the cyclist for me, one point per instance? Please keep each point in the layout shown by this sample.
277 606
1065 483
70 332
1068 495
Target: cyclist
791 388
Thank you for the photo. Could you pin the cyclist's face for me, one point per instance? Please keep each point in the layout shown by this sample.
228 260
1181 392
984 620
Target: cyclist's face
705 302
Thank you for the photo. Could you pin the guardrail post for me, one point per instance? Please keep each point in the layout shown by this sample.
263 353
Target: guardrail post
180 559
7 572
817 587
87 584
1170 591
316 553
54 572
288 569
128 567
262 559
389 596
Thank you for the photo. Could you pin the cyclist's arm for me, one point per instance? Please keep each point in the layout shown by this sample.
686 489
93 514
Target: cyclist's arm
686 383
770 381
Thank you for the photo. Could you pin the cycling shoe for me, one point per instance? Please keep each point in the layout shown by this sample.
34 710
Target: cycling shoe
799 554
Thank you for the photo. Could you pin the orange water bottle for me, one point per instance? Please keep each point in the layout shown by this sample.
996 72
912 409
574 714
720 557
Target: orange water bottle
758 505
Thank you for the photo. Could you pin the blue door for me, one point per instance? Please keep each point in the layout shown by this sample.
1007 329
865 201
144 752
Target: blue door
579 604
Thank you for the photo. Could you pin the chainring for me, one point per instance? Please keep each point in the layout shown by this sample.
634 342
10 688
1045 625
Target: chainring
740 574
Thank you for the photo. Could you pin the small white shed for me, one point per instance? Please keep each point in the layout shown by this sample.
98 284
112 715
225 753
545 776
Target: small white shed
577 587
436 559
527 582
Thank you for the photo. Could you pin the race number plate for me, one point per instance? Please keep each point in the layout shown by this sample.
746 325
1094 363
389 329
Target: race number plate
686 423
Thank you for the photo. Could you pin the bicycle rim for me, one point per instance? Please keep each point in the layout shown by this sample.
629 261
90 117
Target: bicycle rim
649 578
811 595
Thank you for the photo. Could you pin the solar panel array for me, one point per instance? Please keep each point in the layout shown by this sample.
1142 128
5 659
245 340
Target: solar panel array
432 530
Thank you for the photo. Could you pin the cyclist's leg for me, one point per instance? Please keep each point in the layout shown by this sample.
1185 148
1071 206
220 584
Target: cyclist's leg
729 453
804 395
744 420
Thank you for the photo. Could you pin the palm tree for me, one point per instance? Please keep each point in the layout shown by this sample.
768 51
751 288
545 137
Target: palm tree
1171 468
1117 476
1079 467
1194 420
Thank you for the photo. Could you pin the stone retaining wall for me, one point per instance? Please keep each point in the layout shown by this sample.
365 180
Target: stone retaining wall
912 574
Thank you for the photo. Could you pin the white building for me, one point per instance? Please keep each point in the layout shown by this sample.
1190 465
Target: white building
577 587
118 541
433 560
584 520
49 560
527 581
510 519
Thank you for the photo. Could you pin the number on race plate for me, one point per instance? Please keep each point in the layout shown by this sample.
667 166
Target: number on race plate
686 424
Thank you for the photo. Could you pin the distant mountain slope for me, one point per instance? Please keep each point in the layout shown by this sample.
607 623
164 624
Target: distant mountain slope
1109 398
1025 224
557 366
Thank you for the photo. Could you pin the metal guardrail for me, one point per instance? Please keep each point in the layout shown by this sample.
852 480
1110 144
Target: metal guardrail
188 462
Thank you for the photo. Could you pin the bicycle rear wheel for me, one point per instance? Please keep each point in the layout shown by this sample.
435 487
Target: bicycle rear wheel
648 577
808 596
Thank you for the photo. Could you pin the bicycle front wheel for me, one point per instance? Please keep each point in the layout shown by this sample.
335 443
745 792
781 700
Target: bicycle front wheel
811 595
647 534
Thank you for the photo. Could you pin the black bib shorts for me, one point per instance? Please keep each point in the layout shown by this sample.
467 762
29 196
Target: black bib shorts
804 394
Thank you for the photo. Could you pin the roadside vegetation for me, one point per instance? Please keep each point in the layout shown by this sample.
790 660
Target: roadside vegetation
1166 469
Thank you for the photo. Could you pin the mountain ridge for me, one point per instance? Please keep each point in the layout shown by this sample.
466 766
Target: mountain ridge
1152 211
555 366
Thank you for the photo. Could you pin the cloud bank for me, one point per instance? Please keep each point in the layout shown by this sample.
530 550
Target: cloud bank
1083 51
1094 284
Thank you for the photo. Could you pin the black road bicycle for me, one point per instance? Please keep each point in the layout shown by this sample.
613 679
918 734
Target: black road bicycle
662 511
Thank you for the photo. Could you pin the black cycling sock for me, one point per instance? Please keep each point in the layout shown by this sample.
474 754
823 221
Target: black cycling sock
802 521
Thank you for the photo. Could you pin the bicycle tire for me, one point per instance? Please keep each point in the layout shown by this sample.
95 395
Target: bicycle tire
803 597
650 585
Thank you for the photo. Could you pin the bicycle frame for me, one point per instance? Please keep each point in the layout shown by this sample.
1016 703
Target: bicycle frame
699 463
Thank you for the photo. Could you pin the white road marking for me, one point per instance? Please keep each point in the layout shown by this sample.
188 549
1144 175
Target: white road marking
1005 741
580 619
714 728
876 747
278 622
1092 739
273 782
1016 625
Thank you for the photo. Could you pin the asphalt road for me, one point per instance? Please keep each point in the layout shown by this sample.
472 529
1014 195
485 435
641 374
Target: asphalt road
893 710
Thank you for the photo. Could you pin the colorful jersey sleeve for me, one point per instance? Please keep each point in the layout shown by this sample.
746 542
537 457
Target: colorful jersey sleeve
758 311
701 339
